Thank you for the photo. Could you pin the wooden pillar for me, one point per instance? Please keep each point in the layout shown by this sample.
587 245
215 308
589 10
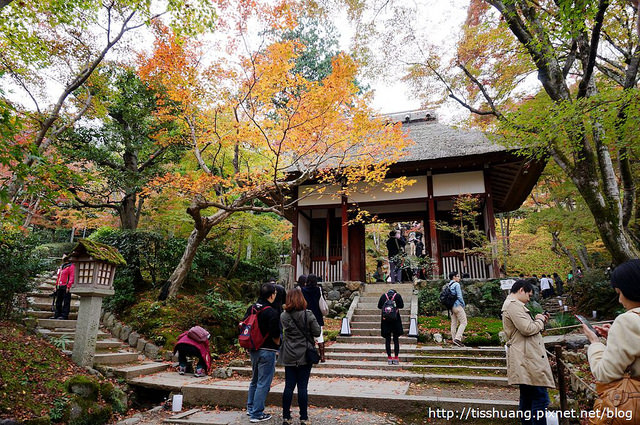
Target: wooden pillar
491 223
345 238
433 233
327 263
294 242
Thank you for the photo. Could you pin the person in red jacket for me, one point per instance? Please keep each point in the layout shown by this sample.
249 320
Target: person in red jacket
66 274
194 343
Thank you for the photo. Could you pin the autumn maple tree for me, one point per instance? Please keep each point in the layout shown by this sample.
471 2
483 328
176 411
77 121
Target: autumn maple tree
258 129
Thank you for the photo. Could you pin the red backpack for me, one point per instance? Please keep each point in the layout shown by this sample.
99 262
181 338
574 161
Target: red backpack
250 336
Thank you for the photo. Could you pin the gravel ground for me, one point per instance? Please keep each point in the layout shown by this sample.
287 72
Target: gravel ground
318 416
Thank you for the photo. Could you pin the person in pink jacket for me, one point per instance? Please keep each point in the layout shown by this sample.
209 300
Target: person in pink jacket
194 343
66 274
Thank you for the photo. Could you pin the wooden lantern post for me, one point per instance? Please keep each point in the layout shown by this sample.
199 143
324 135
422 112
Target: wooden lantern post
95 267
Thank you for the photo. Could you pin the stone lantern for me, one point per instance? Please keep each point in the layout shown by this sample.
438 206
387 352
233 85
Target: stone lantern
95 267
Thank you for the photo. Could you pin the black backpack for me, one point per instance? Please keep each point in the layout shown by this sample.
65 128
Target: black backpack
447 297
389 308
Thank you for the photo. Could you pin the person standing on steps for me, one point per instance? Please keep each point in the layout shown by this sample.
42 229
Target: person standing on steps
312 293
390 323
263 360
66 275
527 363
395 248
299 326
458 315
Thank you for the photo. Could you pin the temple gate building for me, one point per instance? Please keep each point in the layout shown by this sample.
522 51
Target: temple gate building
444 162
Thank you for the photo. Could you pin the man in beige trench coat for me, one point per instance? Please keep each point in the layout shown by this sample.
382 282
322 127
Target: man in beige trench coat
527 363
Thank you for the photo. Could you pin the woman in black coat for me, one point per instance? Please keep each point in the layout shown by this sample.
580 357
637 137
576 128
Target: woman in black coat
391 327
312 293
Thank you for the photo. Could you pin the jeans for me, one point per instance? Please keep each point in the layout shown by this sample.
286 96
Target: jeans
296 375
263 366
395 272
533 399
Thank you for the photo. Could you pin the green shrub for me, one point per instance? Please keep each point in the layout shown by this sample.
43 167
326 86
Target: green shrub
20 263
594 292
486 295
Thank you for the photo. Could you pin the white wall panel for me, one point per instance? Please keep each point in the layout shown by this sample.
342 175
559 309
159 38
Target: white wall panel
458 183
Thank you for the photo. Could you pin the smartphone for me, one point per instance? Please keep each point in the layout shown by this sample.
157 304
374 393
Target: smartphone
582 319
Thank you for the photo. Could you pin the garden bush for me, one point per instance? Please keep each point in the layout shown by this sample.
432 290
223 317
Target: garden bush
594 292
485 295
21 261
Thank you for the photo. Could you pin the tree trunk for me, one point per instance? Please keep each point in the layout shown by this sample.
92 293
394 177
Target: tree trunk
559 248
178 276
128 213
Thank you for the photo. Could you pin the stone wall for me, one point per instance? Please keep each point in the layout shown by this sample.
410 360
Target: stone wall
126 334
339 296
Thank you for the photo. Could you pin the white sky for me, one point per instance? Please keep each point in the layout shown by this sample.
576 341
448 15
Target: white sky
440 19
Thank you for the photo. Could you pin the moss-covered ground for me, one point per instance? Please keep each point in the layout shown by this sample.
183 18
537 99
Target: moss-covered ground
479 331
32 375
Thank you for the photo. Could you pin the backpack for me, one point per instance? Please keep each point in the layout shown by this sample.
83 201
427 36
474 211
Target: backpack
389 308
447 297
250 336
198 334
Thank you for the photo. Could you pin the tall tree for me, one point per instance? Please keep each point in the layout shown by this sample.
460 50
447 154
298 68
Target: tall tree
124 148
259 129
586 57
50 48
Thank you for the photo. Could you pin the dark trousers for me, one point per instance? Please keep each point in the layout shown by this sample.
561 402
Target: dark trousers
534 399
396 344
63 303
188 350
296 376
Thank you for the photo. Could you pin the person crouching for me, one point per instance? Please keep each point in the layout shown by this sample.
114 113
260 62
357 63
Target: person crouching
194 343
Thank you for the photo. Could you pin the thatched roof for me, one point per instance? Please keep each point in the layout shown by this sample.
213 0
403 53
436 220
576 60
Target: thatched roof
433 140
100 252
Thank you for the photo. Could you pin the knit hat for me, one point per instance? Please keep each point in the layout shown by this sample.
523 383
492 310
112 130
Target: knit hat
626 277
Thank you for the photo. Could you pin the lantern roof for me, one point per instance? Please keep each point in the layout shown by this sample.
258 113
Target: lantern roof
100 252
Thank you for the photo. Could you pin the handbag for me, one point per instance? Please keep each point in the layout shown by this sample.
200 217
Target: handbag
312 355
322 303
622 396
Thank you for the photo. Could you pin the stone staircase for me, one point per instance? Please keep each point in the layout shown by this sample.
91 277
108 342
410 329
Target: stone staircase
112 357
356 374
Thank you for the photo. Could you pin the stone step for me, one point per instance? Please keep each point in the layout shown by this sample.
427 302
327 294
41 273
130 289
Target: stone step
370 332
422 350
456 369
70 333
47 306
422 359
57 324
399 375
374 306
369 394
44 314
375 325
42 296
355 339
368 299
132 371
379 288
360 317
102 345
405 312
115 358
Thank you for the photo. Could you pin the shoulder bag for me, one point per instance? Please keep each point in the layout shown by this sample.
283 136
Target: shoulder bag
322 303
311 354
621 396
